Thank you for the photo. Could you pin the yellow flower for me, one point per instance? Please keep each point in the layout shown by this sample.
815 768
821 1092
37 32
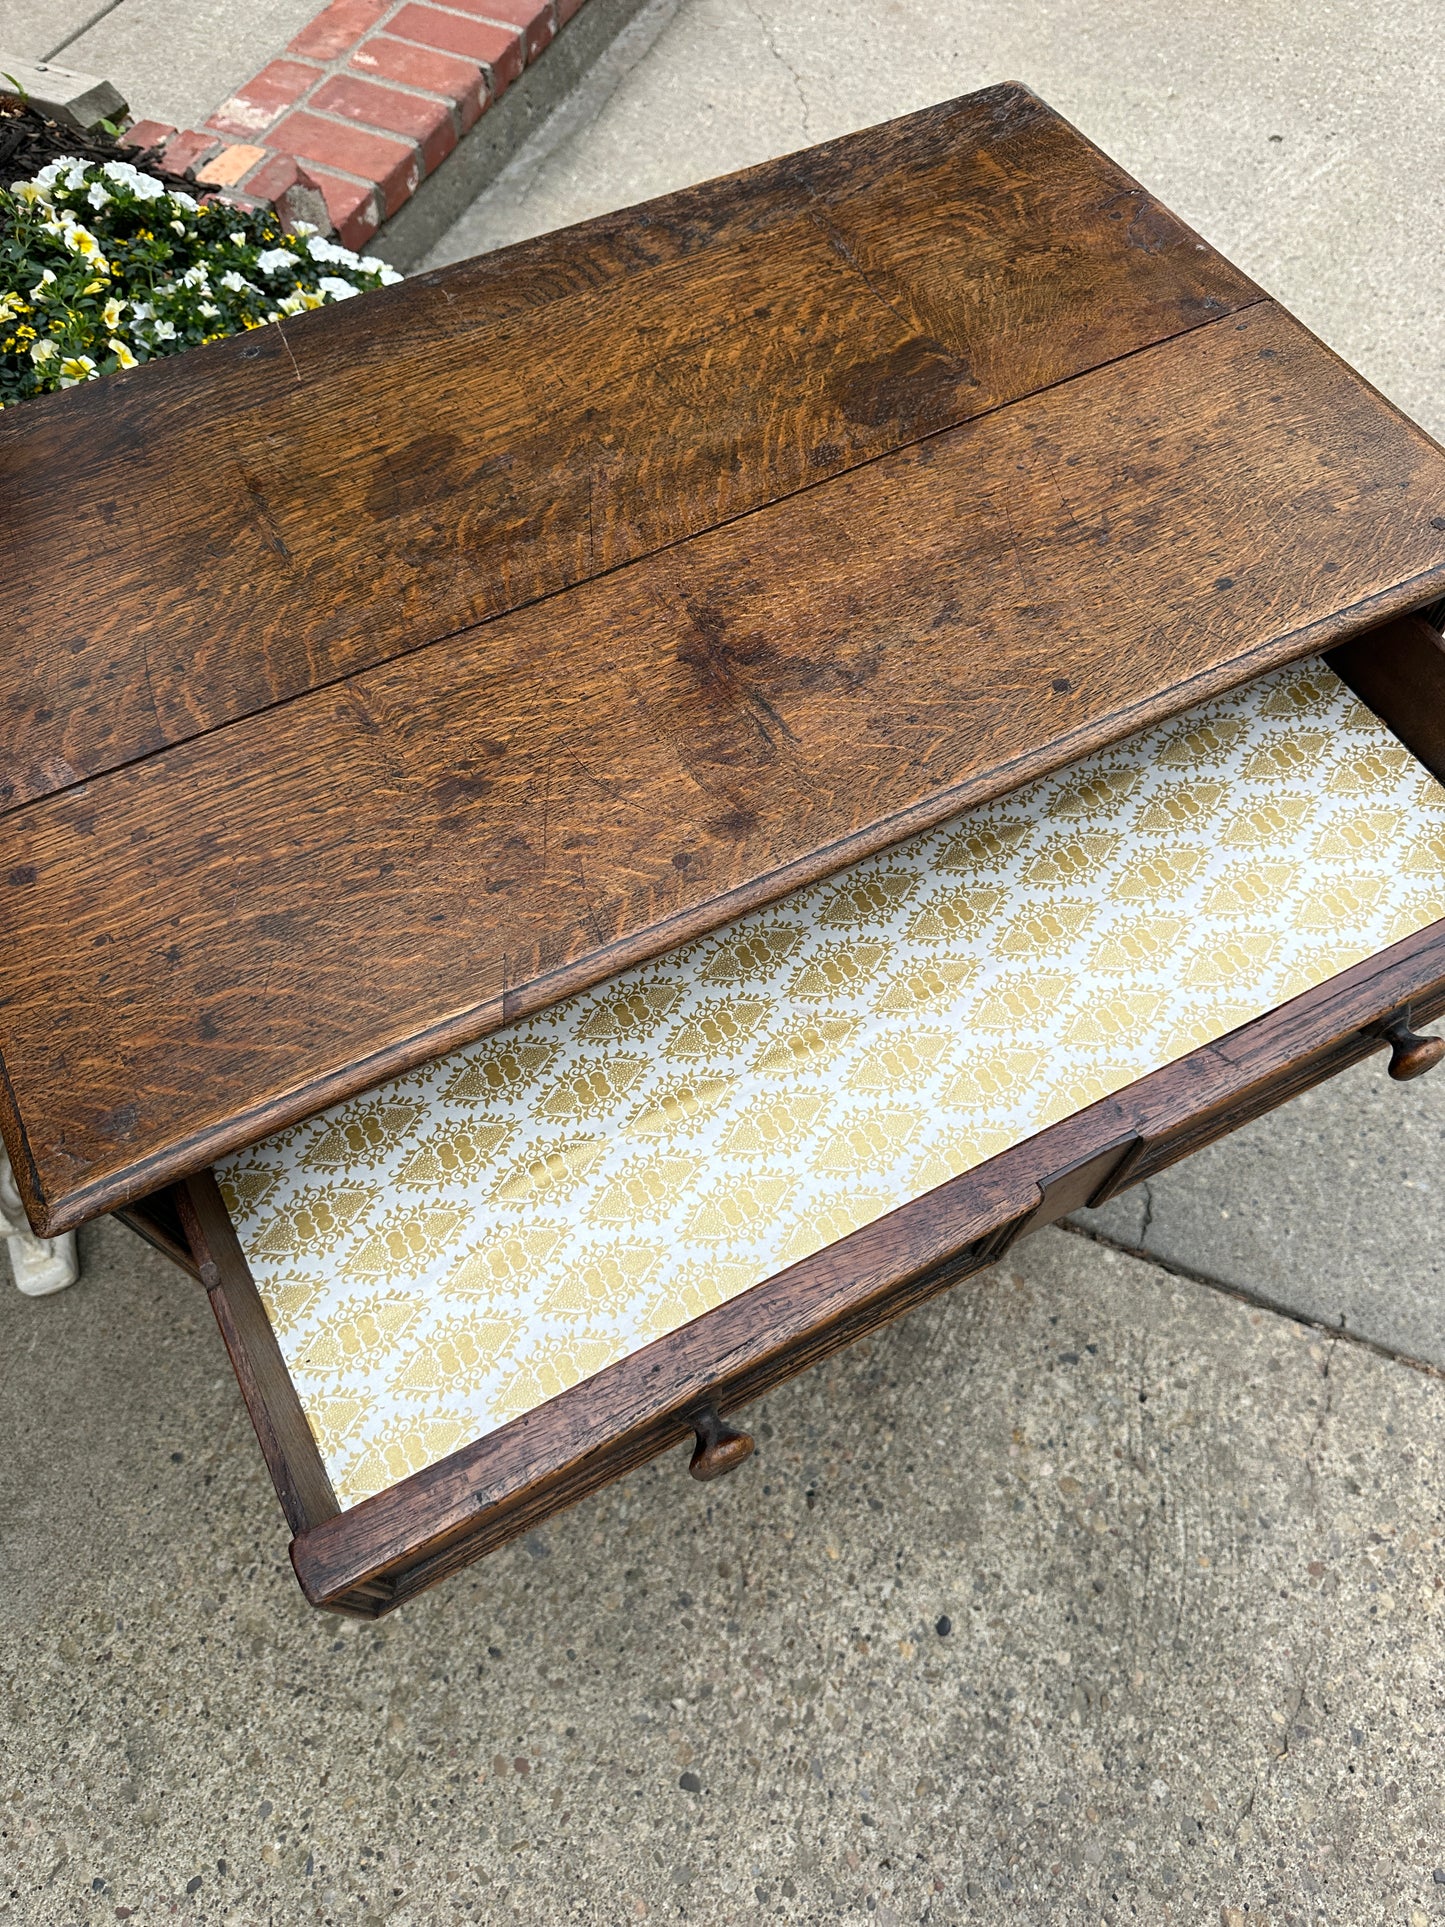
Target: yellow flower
92 287
123 356
110 313
10 306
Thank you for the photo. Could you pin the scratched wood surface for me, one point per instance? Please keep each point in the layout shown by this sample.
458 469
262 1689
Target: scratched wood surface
216 533
223 936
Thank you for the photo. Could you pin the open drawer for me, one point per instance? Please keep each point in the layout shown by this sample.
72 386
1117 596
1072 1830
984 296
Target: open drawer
457 1303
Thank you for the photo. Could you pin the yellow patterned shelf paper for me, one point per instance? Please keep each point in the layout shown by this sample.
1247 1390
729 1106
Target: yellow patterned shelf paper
479 1235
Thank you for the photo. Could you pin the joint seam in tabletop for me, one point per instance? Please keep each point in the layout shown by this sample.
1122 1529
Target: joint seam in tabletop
404 652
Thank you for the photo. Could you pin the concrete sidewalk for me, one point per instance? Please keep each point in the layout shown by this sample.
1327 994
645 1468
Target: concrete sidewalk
173 60
1087 1594
1082 1595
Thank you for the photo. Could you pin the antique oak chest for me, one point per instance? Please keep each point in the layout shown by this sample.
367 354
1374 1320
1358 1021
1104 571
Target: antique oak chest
583 830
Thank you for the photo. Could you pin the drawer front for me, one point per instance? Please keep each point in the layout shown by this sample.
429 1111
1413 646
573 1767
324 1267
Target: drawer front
1301 1071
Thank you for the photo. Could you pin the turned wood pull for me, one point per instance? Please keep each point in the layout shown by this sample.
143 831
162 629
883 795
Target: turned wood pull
1411 1055
719 1449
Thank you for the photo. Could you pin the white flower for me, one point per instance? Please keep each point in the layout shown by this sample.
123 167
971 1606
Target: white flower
182 200
145 187
236 238
110 314
235 282
178 227
28 191
195 277
66 172
320 249
47 275
208 310
338 289
292 303
164 331
42 350
123 356
77 368
81 241
98 195
142 311
271 260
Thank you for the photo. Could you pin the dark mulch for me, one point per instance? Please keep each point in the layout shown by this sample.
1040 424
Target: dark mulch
28 142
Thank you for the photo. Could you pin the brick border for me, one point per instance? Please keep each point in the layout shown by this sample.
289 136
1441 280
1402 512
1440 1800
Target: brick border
368 99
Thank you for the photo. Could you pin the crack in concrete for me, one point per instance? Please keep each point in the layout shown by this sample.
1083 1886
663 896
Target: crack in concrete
787 66
1245 1296
1147 1188
1302 1683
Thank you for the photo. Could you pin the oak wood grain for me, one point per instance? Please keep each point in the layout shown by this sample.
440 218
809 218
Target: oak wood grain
215 533
285 1437
219 939
442 1518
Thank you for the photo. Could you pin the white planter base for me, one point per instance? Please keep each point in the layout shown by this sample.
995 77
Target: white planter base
40 1265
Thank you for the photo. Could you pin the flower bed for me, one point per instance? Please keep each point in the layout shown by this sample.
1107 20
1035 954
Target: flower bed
103 267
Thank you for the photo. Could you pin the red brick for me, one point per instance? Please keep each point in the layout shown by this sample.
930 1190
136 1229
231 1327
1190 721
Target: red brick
146 135
281 184
535 18
226 168
566 9
185 152
427 122
253 108
352 207
273 178
499 47
337 27
459 81
394 165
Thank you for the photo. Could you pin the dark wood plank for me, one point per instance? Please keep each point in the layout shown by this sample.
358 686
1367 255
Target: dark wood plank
286 1440
220 939
215 533
1399 672
157 1220
480 1497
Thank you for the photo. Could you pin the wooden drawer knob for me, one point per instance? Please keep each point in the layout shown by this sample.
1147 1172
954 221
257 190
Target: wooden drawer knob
1411 1055
719 1449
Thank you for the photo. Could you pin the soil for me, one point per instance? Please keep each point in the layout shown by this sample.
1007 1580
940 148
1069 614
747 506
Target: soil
28 141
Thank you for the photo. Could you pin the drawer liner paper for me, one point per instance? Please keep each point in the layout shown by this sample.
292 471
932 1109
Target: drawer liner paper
476 1236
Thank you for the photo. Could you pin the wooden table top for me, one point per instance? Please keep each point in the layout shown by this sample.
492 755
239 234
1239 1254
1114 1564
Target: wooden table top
391 672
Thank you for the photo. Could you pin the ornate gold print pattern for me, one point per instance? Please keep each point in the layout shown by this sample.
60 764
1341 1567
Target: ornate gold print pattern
445 1253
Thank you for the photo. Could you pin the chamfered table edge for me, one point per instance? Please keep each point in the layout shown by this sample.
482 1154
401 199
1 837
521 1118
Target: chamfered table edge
77 1204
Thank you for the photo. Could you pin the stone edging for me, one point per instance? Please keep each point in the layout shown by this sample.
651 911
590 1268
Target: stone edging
368 99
